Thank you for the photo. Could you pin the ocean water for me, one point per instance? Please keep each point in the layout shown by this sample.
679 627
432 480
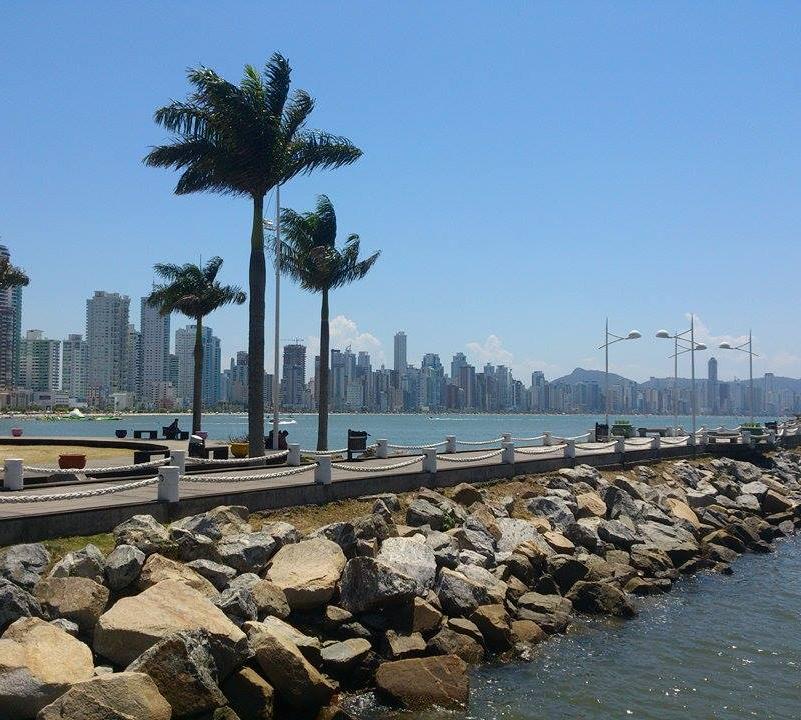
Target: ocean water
715 648
398 429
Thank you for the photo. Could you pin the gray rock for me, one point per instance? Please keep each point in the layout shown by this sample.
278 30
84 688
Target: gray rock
68 627
755 488
283 532
514 532
600 598
246 552
16 603
582 473
218 575
88 562
554 508
24 564
340 657
411 557
238 605
461 592
615 532
446 549
374 527
475 536
341 533
244 581
422 512
145 533
191 545
123 565
308 645
270 600
584 533
368 583
619 503
450 642
702 495
219 521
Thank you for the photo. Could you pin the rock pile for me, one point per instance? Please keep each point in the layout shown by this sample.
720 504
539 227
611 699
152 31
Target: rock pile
209 618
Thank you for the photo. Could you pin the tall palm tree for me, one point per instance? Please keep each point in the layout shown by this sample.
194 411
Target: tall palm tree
245 140
10 275
310 256
193 291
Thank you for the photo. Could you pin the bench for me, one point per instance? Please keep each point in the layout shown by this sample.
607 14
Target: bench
144 456
179 435
652 432
151 434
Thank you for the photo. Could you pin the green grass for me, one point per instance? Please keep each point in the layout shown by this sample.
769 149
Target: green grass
59 547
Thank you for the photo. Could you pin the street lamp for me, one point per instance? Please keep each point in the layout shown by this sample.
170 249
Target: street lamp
633 335
276 226
681 345
751 356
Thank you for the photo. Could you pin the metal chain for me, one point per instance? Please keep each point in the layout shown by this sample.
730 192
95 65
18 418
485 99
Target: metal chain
469 459
246 478
380 468
4 500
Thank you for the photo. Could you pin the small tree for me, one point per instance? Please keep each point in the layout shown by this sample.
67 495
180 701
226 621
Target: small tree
311 257
193 291
11 276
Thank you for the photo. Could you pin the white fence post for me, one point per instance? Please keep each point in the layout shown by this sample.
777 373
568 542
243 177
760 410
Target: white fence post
430 460
293 458
508 456
591 436
747 438
570 448
546 438
168 484
13 478
450 444
178 459
621 445
656 443
322 473
382 451
506 437
703 438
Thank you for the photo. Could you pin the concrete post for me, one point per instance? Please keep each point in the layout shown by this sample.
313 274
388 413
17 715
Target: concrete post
293 458
382 451
450 444
656 443
570 448
748 439
178 459
13 479
506 437
692 440
430 460
508 455
703 438
546 438
621 445
771 437
591 436
169 478
322 473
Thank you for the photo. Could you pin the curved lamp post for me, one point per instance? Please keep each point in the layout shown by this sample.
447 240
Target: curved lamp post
751 355
682 344
633 335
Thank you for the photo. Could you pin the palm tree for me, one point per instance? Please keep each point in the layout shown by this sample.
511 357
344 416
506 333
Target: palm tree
193 291
310 256
10 275
245 140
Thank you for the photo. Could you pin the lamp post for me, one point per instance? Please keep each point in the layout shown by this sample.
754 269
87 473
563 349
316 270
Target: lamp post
633 335
276 226
682 344
751 355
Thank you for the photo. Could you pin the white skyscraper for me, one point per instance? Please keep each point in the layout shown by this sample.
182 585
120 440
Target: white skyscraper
10 331
107 341
40 362
185 351
155 341
400 353
74 365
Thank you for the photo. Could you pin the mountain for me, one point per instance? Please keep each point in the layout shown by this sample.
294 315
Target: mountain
587 376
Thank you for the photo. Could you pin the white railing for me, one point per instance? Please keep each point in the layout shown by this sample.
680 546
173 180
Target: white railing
80 495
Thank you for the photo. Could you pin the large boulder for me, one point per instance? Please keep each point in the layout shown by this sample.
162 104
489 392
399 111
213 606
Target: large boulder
683 511
249 695
308 572
590 504
418 683
679 544
449 641
495 625
123 565
24 564
246 552
38 662
219 521
340 657
217 574
145 533
113 696
135 624
515 531
16 603
461 591
295 680
158 568
308 645
77 599
774 502
341 533
183 668
412 557
616 533
368 583
600 598
269 599
554 508
86 563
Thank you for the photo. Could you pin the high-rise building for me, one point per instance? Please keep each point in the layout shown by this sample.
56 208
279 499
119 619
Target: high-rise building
133 361
293 382
400 354
459 361
210 377
74 365
107 341
155 330
10 331
712 388
40 362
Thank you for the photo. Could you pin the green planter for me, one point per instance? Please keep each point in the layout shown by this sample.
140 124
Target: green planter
624 428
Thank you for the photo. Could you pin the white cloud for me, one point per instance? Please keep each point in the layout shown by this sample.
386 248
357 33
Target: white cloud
343 332
492 351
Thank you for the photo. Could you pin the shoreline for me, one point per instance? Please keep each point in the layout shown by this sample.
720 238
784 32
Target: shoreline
422 586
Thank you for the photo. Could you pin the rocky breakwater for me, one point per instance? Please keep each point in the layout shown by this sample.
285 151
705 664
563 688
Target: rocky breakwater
223 616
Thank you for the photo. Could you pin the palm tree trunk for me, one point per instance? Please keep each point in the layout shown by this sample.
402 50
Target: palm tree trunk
257 281
322 387
197 389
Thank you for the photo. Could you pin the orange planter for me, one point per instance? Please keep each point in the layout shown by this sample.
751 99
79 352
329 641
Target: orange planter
72 461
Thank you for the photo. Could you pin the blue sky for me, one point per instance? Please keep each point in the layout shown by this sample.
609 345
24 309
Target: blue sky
528 169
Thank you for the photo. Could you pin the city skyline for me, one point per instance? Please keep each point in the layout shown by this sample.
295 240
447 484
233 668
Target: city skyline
641 203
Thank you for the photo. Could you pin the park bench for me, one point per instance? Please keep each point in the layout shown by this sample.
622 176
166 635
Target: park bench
151 434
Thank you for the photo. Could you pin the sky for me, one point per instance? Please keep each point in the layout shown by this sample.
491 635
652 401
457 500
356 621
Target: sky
529 169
